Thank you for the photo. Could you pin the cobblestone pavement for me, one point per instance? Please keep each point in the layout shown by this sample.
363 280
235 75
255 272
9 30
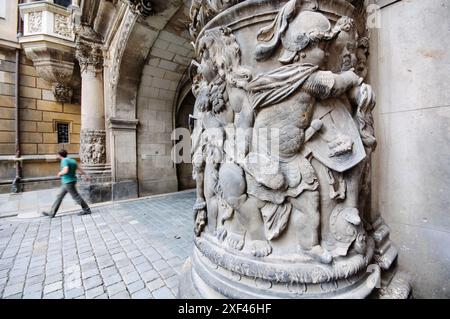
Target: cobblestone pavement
132 249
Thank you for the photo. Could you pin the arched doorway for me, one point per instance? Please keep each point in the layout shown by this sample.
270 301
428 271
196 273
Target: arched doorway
184 170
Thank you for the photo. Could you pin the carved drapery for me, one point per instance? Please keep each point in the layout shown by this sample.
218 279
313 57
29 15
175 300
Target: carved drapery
281 153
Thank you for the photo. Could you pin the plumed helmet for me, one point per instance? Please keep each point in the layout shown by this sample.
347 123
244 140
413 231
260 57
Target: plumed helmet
295 31
307 27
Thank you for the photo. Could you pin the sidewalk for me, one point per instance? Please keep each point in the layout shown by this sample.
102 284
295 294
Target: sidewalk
31 204
128 249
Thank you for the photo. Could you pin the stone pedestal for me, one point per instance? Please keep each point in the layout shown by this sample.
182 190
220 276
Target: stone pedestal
282 150
93 134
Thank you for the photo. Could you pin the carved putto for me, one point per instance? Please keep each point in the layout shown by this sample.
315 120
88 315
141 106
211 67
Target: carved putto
281 150
92 147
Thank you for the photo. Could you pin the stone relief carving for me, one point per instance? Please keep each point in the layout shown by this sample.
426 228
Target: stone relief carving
92 147
62 93
34 22
129 21
204 10
281 153
62 25
141 7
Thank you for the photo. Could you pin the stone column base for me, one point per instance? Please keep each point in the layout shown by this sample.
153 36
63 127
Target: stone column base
99 188
212 272
205 279
192 286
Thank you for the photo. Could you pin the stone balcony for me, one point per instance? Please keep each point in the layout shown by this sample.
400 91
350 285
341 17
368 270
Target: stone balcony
48 40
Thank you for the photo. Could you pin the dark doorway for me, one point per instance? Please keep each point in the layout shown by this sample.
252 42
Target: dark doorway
184 170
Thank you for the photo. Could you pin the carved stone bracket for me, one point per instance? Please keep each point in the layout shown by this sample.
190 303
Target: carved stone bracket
92 147
56 65
48 40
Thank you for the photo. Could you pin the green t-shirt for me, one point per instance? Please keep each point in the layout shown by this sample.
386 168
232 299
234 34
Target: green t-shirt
70 177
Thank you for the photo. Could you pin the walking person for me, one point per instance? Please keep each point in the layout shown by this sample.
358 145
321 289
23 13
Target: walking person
69 167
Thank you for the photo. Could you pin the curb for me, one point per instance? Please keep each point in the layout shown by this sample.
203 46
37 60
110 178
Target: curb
93 206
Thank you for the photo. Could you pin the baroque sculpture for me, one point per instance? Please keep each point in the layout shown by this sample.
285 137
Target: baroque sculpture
281 154
92 149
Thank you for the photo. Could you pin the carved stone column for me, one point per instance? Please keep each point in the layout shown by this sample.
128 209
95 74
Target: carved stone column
93 134
281 155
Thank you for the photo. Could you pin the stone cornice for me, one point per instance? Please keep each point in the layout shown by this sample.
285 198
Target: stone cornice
122 124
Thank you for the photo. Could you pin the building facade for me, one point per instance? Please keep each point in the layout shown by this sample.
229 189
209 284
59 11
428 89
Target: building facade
46 123
109 81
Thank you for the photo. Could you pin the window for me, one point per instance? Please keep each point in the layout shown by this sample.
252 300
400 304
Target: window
63 133
2 9
63 3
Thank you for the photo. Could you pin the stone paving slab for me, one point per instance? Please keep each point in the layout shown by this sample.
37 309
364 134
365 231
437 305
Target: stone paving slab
131 249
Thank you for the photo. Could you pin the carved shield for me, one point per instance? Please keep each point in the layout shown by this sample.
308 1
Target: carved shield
338 144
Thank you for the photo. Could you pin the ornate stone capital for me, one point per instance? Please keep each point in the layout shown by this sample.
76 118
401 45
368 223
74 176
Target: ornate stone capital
88 50
141 7
89 54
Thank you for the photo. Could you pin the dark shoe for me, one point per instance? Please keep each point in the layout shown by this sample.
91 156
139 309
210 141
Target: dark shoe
48 214
88 212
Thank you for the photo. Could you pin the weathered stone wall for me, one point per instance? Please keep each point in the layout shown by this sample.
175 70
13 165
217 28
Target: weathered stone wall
39 113
410 66
167 62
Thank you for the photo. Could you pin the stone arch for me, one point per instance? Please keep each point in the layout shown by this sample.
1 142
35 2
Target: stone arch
166 64
147 65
